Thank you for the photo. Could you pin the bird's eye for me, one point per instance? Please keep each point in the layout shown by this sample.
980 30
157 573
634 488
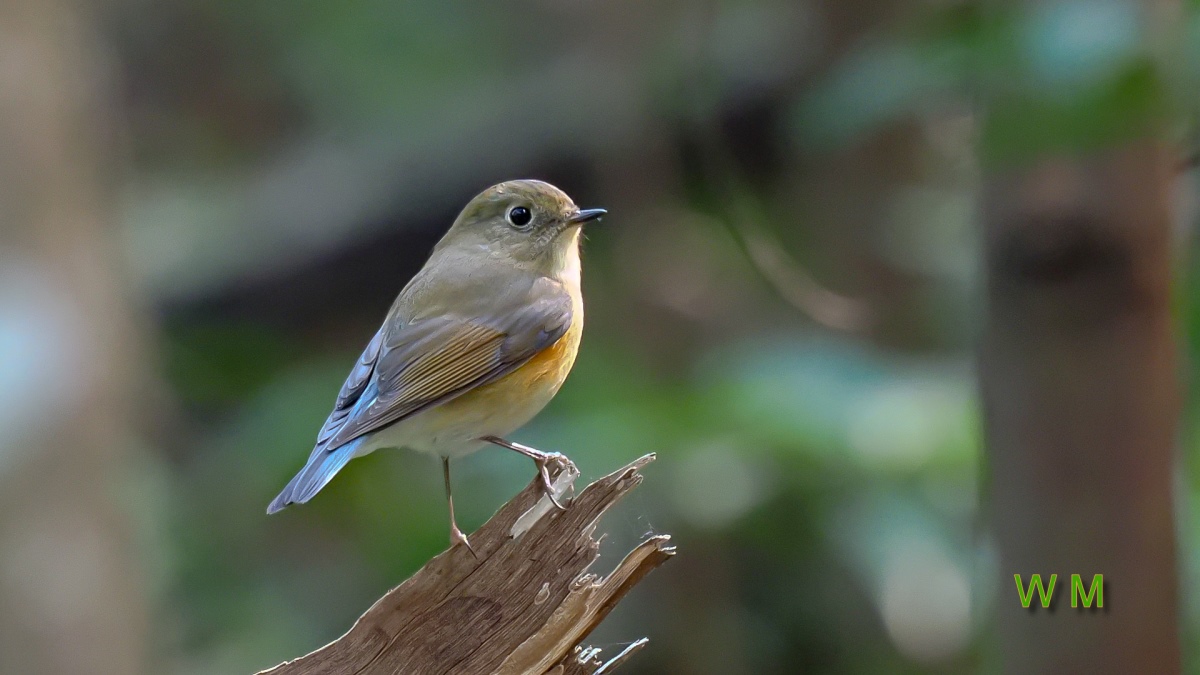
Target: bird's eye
519 216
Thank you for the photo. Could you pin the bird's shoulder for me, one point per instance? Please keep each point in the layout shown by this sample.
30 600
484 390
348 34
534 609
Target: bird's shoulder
478 290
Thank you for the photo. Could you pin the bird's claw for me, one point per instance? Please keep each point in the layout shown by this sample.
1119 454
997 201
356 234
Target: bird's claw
457 537
543 469
541 459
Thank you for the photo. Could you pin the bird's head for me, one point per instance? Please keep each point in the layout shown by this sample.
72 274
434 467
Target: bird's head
529 222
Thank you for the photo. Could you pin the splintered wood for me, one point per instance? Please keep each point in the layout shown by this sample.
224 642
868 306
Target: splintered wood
521 607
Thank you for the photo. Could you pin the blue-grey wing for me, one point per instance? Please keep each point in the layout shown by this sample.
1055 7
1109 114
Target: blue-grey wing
325 461
352 390
410 366
437 359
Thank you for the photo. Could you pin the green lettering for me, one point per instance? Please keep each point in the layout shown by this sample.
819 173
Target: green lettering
1096 591
1035 581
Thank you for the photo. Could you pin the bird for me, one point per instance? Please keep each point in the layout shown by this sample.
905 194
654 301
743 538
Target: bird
475 345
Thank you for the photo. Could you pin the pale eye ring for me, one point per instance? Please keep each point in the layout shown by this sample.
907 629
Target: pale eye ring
519 217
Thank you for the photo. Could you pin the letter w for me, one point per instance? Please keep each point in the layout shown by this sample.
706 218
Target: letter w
1035 581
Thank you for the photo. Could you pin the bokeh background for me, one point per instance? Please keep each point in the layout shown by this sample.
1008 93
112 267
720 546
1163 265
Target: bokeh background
207 206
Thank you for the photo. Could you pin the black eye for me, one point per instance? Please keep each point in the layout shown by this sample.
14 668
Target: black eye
519 216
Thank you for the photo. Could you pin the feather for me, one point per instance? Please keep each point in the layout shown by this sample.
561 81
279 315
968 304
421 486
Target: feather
413 364
321 468
435 360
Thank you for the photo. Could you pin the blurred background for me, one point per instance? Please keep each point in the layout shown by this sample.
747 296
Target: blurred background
206 208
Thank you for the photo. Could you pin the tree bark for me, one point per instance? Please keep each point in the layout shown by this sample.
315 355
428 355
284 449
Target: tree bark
520 604
1082 404
70 585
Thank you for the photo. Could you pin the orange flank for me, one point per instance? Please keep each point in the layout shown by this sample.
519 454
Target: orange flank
515 398
552 364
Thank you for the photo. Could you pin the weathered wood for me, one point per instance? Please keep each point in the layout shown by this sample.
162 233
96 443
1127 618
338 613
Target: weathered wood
521 604
587 661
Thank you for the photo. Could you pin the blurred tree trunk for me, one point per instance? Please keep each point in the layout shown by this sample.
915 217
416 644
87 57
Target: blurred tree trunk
1082 404
69 581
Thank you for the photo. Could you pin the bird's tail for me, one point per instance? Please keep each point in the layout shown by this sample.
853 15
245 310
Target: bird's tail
321 468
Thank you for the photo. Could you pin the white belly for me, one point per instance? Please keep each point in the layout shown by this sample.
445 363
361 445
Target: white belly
455 433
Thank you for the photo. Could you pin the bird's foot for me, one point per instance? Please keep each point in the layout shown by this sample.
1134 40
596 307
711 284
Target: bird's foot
457 537
543 460
543 465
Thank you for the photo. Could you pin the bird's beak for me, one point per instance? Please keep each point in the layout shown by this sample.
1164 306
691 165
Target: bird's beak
587 215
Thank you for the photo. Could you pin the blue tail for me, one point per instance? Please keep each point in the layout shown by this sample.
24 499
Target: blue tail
321 468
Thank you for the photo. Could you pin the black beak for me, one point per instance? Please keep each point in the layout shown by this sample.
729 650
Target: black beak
587 215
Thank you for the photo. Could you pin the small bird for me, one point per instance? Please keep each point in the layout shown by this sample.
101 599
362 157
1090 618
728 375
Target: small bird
476 344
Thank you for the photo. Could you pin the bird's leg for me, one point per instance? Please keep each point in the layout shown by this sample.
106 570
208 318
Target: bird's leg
542 459
456 535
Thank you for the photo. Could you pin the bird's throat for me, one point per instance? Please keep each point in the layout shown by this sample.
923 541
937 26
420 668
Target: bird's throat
565 263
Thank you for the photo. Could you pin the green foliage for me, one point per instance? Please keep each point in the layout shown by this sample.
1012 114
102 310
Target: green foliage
1130 104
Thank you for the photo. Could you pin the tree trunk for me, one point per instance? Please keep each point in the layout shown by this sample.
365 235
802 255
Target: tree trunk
1082 403
70 598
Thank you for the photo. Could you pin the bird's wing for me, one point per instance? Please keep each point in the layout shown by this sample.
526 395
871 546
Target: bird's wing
353 388
433 360
324 462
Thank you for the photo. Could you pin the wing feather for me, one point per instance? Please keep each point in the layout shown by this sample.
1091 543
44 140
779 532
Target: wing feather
434 360
360 374
351 391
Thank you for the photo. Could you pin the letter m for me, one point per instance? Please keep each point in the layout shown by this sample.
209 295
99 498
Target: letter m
1035 581
1096 591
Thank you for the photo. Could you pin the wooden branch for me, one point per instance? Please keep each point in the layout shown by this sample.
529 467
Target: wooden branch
522 606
